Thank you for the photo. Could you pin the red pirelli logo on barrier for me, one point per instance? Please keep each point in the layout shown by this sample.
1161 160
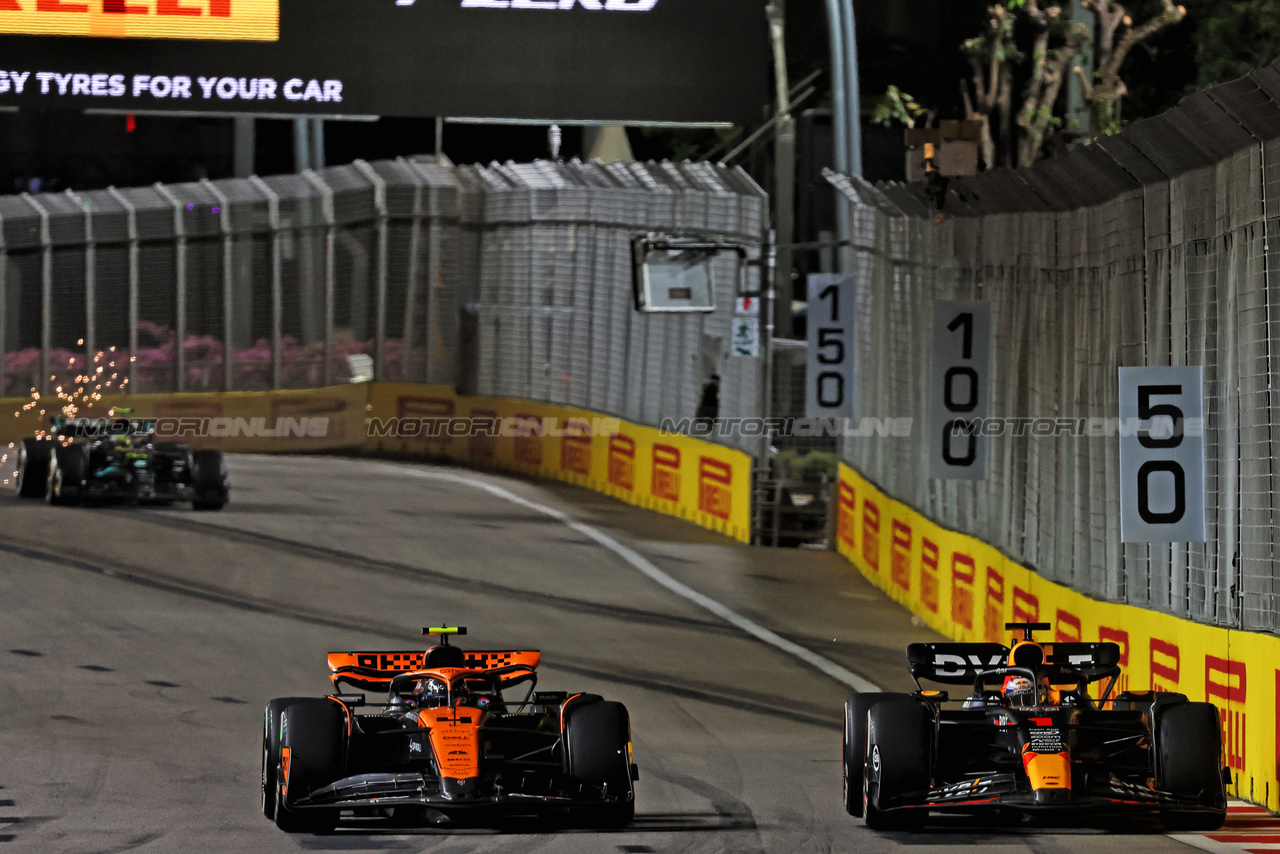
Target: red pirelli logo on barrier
1226 683
481 448
964 575
208 20
715 488
1026 606
1166 665
527 443
871 535
575 448
1067 628
993 606
332 408
665 483
929 574
900 554
622 462
1120 638
420 409
847 520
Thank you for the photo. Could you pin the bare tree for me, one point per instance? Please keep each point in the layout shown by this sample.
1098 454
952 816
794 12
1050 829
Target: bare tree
1019 32
1105 91
991 57
1055 43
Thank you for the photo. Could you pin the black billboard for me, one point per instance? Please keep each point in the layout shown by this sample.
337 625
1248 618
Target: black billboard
629 61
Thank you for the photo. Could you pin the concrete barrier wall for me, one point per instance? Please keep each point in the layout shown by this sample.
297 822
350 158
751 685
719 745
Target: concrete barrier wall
967 590
702 482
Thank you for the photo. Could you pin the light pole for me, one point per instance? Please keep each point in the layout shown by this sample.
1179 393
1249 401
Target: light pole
846 104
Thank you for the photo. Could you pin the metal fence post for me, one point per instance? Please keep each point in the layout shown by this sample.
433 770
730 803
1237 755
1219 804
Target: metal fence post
380 322
412 284
131 220
277 278
331 236
90 281
228 283
431 299
180 288
1268 606
46 292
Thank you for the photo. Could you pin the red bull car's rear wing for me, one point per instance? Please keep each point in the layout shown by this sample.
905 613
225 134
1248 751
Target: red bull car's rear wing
960 663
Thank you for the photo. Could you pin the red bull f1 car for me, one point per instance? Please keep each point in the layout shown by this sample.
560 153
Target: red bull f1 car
456 737
1039 736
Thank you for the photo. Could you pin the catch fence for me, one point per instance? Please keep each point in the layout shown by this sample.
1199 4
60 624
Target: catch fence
1147 248
506 280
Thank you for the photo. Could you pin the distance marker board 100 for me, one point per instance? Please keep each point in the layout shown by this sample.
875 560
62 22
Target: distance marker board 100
960 390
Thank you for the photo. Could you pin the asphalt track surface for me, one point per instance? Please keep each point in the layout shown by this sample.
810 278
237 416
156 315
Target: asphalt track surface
139 646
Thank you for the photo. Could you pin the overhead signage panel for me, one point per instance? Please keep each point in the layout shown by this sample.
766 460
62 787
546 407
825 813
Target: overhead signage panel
237 20
630 61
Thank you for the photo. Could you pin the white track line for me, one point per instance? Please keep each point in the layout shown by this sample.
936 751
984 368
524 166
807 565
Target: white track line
825 665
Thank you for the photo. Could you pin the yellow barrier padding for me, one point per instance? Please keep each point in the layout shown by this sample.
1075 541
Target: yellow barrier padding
967 590
680 476
324 419
692 479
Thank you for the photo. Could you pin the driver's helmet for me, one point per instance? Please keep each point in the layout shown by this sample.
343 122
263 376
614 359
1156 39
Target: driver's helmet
430 694
120 442
1019 691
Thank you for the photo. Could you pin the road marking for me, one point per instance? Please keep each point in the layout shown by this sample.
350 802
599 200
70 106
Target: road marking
638 561
1249 829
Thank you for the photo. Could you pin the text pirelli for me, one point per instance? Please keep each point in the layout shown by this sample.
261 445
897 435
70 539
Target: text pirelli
225 20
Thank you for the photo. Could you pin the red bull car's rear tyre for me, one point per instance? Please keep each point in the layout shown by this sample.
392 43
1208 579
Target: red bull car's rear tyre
1189 764
313 734
899 751
596 738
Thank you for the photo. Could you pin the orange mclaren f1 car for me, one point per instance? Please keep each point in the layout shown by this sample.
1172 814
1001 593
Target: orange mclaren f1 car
461 736
1031 740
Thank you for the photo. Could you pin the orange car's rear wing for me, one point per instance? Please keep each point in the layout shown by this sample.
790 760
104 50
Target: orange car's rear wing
373 671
